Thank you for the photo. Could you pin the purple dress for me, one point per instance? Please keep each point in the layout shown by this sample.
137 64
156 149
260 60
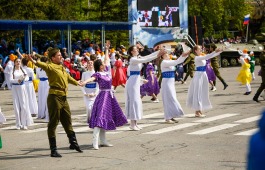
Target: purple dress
209 71
106 112
149 88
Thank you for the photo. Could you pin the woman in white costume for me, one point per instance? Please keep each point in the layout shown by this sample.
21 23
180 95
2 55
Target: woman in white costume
133 102
43 92
172 107
19 94
2 117
33 105
91 89
198 93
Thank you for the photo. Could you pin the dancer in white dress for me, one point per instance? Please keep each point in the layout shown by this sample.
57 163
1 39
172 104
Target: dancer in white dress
172 107
198 93
91 89
19 94
32 99
8 71
2 117
133 102
43 92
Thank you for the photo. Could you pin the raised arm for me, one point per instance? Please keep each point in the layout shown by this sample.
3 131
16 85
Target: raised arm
145 59
181 59
88 80
211 55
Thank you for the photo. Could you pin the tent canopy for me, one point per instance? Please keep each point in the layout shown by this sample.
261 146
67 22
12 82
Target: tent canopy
63 25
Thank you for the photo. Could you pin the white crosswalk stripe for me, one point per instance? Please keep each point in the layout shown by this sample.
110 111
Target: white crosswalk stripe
248 120
172 128
247 133
154 119
210 119
213 129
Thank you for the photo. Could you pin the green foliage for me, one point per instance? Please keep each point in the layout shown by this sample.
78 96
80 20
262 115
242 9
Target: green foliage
219 15
73 10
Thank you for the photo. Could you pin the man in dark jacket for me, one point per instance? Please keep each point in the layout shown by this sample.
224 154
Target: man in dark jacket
262 74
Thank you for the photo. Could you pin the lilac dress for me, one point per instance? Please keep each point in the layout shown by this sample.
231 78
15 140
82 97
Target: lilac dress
106 112
149 88
209 71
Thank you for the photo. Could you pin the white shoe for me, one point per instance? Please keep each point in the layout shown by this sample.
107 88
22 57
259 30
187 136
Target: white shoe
214 88
156 101
139 127
24 127
169 122
134 128
18 127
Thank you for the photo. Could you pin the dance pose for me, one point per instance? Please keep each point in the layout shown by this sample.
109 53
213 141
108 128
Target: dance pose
262 74
198 93
20 96
106 113
57 103
90 90
172 107
43 91
151 88
133 102
244 75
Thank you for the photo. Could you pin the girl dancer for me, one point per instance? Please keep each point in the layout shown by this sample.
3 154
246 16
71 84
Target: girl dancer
90 90
133 103
32 100
244 75
43 91
151 88
19 94
119 77
106 113
198 93
171 105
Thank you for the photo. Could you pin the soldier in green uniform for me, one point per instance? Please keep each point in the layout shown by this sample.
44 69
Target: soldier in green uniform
57 103
262 74
215 66
191 66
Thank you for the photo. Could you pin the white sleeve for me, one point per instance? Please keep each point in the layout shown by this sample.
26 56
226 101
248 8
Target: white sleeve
145 59
208 56
168 63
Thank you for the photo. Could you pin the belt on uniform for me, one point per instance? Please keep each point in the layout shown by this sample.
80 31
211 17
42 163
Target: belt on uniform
90 85
57 88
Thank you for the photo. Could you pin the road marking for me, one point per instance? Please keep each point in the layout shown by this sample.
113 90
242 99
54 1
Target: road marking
248 120
153 115
126 128
247 133
76 130
163 121
14 127
213 129
35 130
171 128
204 120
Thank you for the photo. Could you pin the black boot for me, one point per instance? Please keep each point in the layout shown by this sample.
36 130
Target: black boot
53 147
73 143
224 83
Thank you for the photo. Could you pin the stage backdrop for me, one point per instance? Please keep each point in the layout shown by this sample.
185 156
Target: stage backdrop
157 21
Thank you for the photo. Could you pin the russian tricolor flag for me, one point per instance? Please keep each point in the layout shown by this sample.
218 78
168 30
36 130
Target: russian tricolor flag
246 19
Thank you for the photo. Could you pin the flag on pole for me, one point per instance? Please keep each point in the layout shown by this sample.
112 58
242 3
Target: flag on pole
246 19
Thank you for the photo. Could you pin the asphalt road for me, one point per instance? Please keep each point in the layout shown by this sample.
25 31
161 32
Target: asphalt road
219 141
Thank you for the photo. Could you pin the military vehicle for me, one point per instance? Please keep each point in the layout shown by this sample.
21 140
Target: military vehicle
230 55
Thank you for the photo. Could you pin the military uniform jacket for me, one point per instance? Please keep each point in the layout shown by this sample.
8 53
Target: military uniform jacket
190 61
262 60
214 62
58 78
